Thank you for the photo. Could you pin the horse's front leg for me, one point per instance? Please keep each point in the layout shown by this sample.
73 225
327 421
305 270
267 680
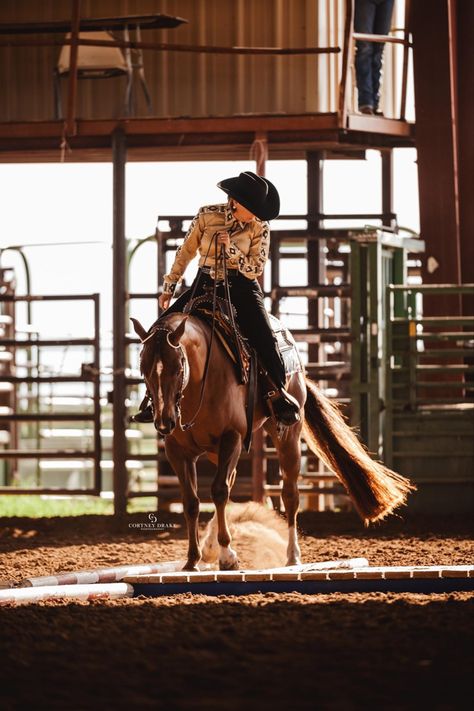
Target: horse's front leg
210 544
185 469
229 452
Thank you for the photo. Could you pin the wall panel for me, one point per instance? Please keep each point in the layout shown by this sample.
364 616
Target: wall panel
189 84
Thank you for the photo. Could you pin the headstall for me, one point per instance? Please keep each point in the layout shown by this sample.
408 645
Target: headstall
184 365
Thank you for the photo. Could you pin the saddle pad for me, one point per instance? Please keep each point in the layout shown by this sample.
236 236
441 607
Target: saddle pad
287 347
285 341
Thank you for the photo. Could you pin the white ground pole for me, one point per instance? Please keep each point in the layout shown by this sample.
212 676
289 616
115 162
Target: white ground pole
97 591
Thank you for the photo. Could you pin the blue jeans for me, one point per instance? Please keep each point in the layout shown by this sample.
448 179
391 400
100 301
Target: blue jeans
371 17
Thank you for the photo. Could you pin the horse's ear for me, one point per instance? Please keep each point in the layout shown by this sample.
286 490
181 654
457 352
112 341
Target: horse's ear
175 337
139 330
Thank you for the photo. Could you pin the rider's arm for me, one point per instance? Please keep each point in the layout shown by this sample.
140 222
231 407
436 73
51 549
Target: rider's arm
252 264
184 254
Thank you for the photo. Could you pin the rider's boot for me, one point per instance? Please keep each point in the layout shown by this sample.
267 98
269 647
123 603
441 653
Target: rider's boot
283 406
145 411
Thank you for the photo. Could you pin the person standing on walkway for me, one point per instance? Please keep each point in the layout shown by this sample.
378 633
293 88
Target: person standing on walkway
372 17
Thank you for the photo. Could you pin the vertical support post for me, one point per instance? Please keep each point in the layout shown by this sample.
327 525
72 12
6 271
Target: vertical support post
406 50
375 336
388 216
412 364
259 473
70 126
316 248
97 437
275 274
399 276
358 335
465 147
388 419
391 273
346 57
437 123
119 152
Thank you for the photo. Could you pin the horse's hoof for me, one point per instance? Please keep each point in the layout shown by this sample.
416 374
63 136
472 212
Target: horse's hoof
229 565
188 568
294 561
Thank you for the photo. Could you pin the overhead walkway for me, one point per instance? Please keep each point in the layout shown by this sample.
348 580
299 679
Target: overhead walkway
209 132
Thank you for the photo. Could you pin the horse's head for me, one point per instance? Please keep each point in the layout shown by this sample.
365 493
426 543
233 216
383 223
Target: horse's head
162 363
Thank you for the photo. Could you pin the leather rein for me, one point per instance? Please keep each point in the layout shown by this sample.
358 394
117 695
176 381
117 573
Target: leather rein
184 361
187 425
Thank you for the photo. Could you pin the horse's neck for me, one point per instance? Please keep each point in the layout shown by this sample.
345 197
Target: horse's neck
195 344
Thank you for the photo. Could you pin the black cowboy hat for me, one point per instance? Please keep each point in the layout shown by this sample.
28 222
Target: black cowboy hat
255 193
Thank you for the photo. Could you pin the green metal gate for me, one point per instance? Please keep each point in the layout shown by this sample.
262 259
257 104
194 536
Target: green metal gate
429 391
377 259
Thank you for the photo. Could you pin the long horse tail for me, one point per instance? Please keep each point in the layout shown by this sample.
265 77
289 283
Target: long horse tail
374 489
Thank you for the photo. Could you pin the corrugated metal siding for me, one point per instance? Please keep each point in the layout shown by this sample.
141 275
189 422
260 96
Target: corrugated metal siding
190 84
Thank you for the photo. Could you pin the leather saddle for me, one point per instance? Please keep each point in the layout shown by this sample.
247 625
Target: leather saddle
201 307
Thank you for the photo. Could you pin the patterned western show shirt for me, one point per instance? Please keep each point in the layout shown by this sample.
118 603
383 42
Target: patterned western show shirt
249 244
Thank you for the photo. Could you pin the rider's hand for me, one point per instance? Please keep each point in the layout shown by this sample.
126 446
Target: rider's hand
223 238
164 300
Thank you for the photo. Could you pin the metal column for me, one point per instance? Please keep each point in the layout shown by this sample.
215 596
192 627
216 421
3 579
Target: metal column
388 216
119 153
437 146
259 469
316 254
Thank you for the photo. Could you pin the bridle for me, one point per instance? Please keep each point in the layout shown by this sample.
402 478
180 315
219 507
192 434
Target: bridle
184 379
184 361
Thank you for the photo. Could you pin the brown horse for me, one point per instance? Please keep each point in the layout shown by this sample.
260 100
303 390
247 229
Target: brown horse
172 362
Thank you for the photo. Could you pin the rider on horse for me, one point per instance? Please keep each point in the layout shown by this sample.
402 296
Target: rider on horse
240 227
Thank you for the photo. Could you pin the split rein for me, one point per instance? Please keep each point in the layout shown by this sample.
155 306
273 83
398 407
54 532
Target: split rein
184 361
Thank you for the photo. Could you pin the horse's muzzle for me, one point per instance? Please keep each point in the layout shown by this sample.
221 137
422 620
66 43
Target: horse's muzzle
166 427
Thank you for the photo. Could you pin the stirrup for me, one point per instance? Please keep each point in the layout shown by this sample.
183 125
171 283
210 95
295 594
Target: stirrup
143 416
284 407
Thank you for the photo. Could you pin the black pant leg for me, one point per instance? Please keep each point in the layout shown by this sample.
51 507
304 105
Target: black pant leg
254 323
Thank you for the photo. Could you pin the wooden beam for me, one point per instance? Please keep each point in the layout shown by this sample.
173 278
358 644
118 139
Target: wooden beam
152 126
205 139
379 124
168 47
93 24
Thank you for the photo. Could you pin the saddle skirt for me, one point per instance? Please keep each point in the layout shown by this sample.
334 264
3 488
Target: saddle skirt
286 344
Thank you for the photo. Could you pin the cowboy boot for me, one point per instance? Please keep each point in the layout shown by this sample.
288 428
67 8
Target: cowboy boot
283 406
145 413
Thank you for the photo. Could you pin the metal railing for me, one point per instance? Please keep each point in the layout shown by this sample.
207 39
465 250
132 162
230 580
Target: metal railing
446 342
90 373
429 394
